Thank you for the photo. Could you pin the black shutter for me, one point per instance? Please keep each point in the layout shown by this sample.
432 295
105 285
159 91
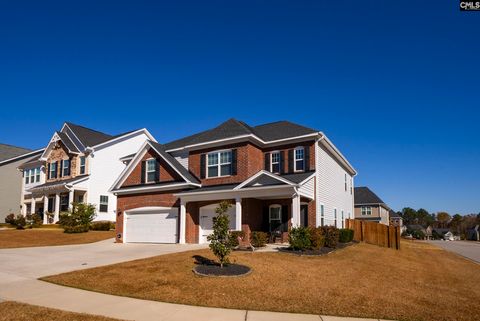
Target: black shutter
48 170
61 169
291 160
306 157
56 170
142 176
282 162
202 166
265 219
267 162
284 218
69 166
157 171
234 162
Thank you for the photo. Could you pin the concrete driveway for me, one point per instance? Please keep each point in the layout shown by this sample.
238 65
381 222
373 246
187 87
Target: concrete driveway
468 249
20 269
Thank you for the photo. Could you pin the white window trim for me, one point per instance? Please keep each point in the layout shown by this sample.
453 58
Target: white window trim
279 213
51 170
80 165
147 171
100 204
366 210
219 164
63 167
322 214
295 159
38 172
272 163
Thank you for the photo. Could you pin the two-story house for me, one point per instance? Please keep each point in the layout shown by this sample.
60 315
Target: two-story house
370 207
78 165
275 175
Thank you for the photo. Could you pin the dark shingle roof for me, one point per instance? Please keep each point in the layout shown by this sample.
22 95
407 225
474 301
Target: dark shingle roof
68 142
212 188
392 213
297 177
9 151
161 150
59 182
363 195
232 128
87 136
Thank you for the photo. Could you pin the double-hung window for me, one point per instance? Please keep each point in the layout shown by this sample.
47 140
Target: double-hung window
219 164
53 170
345 182
322 215
275 162
275 214
335 216
342 219
37 174
82 165
150 169
103 203
366 210
299 159
27 176
66 167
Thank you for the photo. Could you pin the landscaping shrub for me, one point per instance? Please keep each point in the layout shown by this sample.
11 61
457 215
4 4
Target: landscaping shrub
258 239
78 219
220 241
331 236
299 238
317 238
33 220
20 222
234 235
345 235
101 226
10 219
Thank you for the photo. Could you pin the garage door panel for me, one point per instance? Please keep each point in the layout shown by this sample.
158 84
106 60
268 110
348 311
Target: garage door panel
152 227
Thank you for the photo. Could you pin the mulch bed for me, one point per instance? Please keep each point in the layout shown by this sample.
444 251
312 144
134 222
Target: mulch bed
207 267
321 251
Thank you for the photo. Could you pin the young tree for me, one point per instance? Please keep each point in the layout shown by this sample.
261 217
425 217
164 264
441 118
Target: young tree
78 219
220 243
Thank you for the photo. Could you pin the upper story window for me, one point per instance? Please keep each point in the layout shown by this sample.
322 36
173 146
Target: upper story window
82 165
103 203
37 174
345 182
366 210
26 174
53 170
66 167
335 215
351 186
299 159
151 170
219 164
322 215
275 162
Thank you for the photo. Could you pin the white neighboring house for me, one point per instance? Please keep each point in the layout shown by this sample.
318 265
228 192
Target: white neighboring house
78 165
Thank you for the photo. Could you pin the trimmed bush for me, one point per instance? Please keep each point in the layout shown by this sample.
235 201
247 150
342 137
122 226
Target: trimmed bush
101 226
33 220
331 236
234 235
317 238
258 239
345 235
10 219
20 222
299 238
78 220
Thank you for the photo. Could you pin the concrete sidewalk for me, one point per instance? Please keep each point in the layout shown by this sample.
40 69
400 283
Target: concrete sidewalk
18 283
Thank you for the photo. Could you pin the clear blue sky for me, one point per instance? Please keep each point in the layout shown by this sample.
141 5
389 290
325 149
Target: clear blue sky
394 84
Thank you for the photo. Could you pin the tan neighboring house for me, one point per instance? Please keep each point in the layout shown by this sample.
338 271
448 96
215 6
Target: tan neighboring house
11 179
370 207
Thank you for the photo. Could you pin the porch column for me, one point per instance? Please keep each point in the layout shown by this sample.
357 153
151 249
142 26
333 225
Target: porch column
183 215
238 214
295 210
70 198
56 217
32 210
45 209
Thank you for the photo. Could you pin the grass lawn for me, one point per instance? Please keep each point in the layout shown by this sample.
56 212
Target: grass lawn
419 282
48 237
13 311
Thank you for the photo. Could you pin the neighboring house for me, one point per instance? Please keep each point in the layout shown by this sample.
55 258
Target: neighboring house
276 175
370 207
427 232
443 233
473 234
78 165
396 220
11 180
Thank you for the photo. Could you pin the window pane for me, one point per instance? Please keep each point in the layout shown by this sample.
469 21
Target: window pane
151 165
299 153
212 171
82 160
151 176
275 157
213 159
225 157
275 213
276 168
225 170
299 165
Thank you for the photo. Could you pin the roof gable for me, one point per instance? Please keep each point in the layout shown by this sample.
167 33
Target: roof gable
9 151
87 136
363 195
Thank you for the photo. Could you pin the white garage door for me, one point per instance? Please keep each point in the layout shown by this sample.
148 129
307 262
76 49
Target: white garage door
207 213
157 225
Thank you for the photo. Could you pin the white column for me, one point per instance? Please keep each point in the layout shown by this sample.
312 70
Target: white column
57 208
70 198
32 211
295 210
45 209
238 214
183 215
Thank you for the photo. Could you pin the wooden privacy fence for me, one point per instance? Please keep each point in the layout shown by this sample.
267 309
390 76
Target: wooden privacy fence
375 233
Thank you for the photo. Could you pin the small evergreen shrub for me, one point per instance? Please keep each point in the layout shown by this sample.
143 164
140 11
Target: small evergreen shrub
258 239
317 238
345 235
331 236
33 220
101 226
10 219
78 219
220 241
299 238
234 235
20 222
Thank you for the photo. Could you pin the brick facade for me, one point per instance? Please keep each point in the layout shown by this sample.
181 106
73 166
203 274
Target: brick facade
58 153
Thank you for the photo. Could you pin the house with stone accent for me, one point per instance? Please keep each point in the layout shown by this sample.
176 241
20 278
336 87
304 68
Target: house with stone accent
370 207
78 164
276 176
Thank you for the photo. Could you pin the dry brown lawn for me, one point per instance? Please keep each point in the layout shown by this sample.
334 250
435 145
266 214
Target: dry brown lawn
419 282
14 311
47 237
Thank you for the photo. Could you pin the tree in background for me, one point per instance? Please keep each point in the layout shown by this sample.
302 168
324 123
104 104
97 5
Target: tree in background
443 218
455 222
409 216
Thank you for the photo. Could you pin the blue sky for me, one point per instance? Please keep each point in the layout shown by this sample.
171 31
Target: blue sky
395 85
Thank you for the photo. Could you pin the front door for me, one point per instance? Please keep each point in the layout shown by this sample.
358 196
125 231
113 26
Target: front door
304 215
